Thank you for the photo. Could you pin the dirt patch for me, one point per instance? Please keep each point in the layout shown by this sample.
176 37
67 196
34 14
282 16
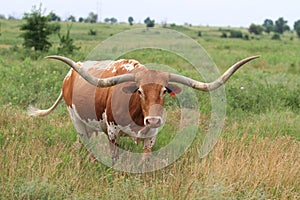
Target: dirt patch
4 46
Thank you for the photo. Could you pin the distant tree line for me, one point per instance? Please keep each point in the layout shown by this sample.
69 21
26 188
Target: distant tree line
279 27
10 17
91 18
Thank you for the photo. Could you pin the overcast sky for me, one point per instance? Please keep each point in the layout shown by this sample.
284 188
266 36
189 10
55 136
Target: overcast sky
235 13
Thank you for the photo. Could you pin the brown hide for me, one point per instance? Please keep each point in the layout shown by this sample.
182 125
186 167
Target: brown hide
91 102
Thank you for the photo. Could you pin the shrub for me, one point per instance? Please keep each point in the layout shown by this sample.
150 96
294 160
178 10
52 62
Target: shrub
92 32
276 36
199 34
224 35
236 34
246 37
66 43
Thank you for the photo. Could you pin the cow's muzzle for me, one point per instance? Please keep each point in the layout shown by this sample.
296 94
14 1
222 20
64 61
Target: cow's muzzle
153 121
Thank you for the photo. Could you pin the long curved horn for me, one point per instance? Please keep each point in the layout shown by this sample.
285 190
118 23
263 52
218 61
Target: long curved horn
213 85
98 82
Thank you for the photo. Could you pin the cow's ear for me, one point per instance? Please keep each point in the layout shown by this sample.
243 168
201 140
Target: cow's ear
174 89
130 89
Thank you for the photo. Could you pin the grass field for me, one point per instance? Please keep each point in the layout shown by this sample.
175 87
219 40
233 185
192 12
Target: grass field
256 157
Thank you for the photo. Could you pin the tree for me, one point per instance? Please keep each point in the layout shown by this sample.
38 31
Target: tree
130 20
149 23
110 20
80 19
92 18
113 20
268 25
297 27
10 17
281 25
37 29
71 18
53 17
256 29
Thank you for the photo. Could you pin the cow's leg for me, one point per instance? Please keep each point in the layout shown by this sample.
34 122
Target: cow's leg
114 140
148 144
114 150
147 147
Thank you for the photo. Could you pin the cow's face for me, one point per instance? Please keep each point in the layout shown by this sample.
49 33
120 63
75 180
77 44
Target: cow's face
151 87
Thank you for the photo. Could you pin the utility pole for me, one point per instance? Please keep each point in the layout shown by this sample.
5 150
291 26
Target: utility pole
99 6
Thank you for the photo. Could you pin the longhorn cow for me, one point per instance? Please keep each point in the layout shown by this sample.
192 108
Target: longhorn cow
122 98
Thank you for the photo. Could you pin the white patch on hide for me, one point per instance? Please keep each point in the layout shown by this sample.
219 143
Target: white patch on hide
128 67
84 127
113 131
114 70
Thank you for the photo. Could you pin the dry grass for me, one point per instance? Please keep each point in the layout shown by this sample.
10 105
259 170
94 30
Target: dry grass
35 166
260 167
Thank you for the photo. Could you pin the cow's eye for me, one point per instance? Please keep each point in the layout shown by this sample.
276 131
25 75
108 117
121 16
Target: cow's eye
165 91
140 92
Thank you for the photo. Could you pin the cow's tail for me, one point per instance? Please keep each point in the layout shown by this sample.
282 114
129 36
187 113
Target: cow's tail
33 111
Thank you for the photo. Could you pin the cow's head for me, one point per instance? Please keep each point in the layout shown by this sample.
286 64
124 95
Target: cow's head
151 86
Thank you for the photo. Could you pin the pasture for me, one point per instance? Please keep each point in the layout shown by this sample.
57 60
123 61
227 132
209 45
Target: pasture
256 157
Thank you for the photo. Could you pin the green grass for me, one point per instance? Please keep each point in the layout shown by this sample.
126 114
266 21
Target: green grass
257 156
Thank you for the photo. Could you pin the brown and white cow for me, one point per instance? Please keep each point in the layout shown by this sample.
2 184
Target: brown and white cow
122 98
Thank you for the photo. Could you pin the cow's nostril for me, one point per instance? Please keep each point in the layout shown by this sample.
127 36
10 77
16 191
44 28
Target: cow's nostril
153 122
